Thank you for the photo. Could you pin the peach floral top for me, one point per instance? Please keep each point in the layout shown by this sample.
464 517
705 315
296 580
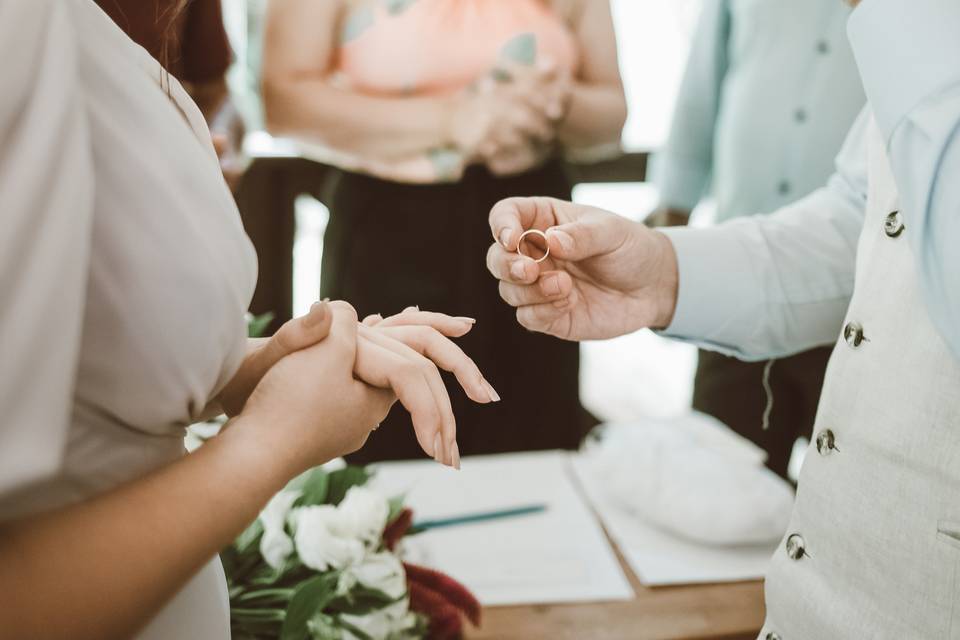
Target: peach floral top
435 47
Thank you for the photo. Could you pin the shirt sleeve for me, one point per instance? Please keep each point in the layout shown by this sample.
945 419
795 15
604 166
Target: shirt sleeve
770 286
46 191
914 90
206 54
681 170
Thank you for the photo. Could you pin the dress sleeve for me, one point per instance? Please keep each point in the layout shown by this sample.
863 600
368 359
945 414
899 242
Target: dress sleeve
46 195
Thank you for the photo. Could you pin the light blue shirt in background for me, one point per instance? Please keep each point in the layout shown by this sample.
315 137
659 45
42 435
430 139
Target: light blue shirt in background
769 92
773 285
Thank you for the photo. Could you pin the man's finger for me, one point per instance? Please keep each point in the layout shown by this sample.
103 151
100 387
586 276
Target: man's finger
511 217
592 235
549 288
511 267
543 317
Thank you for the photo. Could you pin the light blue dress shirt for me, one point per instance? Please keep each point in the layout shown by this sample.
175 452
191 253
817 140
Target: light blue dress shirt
768 286
769 92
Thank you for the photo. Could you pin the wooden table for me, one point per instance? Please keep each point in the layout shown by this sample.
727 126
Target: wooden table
730 611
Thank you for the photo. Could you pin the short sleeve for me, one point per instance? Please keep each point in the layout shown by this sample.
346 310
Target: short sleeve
205 48
46 192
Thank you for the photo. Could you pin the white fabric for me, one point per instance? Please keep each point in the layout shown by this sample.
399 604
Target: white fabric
693 477
124 273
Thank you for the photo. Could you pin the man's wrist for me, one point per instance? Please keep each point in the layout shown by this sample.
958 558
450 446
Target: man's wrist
668 281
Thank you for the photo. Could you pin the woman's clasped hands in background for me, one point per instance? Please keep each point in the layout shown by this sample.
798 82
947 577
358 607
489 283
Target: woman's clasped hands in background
509 120
324 381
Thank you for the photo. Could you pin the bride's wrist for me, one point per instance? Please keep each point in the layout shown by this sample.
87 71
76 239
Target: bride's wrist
257 443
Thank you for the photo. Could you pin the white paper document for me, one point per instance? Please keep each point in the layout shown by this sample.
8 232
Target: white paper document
558 555
660 558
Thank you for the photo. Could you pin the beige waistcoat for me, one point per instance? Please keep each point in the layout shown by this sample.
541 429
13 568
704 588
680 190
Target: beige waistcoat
873 547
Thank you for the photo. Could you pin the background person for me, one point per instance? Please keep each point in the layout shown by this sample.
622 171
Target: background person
436 109
770 91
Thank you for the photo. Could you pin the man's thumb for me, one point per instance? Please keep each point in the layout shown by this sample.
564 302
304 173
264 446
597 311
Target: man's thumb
582 239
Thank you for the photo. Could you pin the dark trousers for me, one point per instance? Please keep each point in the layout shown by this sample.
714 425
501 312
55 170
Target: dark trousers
732 391
391 245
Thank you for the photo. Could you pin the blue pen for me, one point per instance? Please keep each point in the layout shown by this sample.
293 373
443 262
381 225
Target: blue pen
483 516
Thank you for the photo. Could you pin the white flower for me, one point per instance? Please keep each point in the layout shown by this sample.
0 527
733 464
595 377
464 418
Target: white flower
275 544
363 515
389 622
318 542
383 572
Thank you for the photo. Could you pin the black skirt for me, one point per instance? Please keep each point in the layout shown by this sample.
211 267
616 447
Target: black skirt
390 245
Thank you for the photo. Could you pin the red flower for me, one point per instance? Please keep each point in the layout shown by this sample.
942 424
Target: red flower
397 529
443 600
440 598
445 621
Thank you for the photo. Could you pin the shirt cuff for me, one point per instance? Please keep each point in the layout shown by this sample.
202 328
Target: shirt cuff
680 183
711 291
906 52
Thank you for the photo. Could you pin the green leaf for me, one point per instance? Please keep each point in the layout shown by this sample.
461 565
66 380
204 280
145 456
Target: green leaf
343 480
238 613
396 506
311 596
258 324
250 538
352 629
314 486
265 596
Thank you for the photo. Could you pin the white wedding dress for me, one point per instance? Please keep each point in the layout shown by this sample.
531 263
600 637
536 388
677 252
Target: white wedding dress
124 273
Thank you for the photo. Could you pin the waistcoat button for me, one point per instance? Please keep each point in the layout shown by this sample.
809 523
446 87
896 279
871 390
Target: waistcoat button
825 441
772 636
893 225
853 334
795 546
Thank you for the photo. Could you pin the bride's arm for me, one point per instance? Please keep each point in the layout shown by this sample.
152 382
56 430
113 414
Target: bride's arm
102 568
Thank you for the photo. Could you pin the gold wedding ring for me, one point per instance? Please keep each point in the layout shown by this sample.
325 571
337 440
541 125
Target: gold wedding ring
546 246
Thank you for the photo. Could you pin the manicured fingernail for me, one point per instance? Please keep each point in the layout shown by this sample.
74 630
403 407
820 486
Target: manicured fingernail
494 396
318 311
564 238
466 319
551 286
517 270
455 456
436 448
505 236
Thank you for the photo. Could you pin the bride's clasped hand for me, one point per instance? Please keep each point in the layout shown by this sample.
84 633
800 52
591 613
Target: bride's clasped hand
324 381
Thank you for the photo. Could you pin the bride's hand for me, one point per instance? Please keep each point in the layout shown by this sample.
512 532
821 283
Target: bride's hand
405 352
263 353
309 407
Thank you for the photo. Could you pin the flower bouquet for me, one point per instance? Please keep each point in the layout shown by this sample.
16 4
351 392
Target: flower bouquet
322 562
